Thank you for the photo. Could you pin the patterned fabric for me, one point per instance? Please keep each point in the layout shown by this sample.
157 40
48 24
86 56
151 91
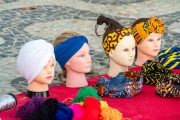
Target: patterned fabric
170 58
124 85
142 30
112 39
167 83
153 72
169 86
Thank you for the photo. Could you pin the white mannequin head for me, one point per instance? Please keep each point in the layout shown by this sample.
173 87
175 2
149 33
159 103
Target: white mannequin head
124 52
118 44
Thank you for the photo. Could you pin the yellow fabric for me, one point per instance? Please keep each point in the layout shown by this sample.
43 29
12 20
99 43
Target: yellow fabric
104 104
110 114
144 29
113 38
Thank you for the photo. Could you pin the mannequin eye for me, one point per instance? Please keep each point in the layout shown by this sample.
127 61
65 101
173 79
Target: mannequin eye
150 40
81 55
133 48
159 39
125 50
52 65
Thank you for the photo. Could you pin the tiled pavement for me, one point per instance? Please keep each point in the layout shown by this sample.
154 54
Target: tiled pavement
52 17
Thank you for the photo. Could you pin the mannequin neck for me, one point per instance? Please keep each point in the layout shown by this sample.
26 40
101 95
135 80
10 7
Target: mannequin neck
115 69
142 58
37 87
75 79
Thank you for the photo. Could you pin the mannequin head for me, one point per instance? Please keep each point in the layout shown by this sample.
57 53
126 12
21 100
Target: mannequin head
80 61
35 63
47 73
124 52
73 55
118 44
147 33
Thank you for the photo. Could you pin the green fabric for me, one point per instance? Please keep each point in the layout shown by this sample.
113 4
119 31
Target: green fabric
86 92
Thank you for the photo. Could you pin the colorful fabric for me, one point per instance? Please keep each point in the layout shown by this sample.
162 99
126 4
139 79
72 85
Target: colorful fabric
142 30
110 114
112 39
153 72
124 85
44 109
170 58
169 86
91 108
65 50
32 58
86 92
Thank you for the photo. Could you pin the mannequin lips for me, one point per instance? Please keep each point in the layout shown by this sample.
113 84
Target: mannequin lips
89 65
131 59
156 50
49 77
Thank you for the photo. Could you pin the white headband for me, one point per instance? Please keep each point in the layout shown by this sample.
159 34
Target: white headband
32 58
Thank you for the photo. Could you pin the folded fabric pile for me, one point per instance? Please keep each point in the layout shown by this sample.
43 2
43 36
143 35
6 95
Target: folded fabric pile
39 108
169 86
170 58
167 83
124 85
153 72
87 105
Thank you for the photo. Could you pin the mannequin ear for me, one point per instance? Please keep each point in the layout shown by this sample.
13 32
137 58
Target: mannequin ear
111 53
137 46
68 63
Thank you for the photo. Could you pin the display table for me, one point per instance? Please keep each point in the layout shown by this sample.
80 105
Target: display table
145 106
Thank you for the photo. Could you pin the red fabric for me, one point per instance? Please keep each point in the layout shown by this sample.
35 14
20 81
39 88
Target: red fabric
91 108
145 106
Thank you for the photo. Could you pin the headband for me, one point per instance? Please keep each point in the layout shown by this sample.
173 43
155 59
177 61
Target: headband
141 30
32 58
65 50
112 39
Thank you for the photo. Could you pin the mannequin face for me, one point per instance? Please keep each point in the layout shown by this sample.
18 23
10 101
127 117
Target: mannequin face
47 73
151 45
124 52
81 61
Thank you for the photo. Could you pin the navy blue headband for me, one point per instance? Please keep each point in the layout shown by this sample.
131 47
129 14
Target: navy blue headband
65 50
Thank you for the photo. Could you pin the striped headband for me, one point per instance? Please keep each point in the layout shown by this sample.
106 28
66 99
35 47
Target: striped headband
112 39
170 58
142 30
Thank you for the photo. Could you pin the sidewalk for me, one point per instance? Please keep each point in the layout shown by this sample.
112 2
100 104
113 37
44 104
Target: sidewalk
52 17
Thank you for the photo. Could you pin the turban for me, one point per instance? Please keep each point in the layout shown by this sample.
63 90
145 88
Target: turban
113 38
142 30
65 50
32 58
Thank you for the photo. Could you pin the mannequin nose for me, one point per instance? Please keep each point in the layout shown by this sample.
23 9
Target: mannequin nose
131 53
156 43
89 58
49 69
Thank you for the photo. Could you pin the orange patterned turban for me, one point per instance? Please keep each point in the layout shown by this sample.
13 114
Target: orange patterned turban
142 30
112 39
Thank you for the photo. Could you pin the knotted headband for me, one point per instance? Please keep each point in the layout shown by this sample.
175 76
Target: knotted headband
141 30
112 39
32 58
65 50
